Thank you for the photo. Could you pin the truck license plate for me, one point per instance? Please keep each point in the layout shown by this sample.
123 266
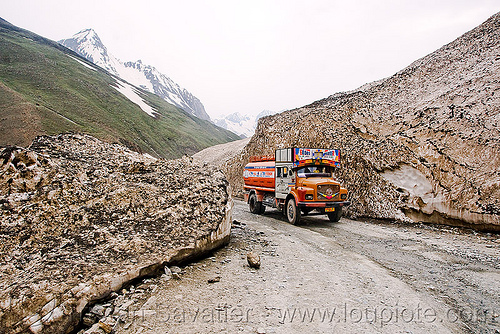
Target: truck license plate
329 209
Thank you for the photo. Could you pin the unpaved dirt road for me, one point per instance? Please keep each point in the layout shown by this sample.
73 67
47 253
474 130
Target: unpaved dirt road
346 277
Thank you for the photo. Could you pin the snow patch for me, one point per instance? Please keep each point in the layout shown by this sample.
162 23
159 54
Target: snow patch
132 94
81 62
409 179
423 196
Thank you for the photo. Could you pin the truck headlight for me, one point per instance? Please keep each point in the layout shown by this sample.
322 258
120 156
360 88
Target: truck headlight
309 197
343 196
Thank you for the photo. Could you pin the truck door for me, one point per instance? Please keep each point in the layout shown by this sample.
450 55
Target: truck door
284 177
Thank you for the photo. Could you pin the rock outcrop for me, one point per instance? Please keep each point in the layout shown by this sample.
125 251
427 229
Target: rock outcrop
422 145
80 218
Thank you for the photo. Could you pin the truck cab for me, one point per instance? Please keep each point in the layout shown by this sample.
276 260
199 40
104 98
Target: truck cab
300 181
312 186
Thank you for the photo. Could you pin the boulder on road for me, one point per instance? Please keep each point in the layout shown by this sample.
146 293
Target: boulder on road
253 260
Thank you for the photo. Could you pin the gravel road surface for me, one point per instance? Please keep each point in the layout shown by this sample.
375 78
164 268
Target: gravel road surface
322 277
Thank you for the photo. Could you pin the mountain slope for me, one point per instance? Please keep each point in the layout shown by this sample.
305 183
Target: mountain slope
421 145
46 88
88 44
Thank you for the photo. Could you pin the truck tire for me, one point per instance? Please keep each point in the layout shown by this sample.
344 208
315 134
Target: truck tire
254 205
262 209
335 216
292 212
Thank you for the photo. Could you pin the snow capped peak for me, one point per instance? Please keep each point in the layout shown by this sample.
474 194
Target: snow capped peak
88 44
86 33
88 36
237 117
242 125
265 112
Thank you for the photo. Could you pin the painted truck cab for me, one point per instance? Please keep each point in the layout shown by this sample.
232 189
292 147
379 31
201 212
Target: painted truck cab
302 182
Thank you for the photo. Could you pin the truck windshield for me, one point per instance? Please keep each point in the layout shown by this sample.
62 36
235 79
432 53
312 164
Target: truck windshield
314 171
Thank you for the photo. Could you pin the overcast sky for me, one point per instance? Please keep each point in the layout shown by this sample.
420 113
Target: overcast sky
247 56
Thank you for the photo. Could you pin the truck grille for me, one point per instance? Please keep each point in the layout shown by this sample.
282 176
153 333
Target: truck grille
329 191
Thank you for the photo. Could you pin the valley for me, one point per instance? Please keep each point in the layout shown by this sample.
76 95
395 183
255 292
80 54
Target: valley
121 201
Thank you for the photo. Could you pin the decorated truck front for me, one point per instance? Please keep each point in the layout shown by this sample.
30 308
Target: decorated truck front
298 181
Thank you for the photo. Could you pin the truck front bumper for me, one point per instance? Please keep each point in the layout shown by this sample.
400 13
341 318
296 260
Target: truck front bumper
314 205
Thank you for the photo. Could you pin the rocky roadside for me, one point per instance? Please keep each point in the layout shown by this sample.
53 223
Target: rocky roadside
124 311
81 218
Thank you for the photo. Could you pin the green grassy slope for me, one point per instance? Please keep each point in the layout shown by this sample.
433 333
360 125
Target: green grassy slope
43 90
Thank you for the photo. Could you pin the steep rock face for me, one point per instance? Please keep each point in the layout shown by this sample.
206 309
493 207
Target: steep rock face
80 218
423 144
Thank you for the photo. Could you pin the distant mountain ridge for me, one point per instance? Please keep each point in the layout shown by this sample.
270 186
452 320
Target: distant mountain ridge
88 44
243 125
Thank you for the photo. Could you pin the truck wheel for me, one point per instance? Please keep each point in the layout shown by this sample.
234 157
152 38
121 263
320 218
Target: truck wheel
254 205
335 216
262 209
292 212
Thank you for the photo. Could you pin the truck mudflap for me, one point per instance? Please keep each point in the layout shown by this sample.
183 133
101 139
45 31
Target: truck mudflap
323 204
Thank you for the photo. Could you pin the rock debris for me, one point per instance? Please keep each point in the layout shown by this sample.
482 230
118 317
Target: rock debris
80 218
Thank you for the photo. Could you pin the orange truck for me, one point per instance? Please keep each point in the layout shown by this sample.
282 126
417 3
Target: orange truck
297 181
